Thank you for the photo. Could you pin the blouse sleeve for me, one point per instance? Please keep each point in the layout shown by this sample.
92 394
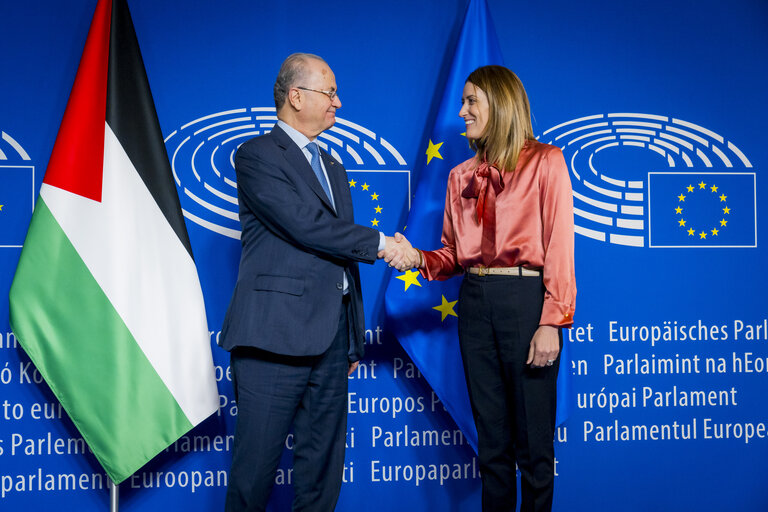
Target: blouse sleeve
557 237
442 263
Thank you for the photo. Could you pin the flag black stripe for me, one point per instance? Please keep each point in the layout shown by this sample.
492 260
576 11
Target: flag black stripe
131 115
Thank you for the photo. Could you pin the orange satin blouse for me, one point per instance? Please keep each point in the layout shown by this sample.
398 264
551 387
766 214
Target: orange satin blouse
533 226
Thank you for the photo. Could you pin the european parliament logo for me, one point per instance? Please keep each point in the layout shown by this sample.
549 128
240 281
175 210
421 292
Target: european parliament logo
202 154
645 180
17 191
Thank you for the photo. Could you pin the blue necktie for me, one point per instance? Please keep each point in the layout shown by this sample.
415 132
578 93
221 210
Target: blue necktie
315 163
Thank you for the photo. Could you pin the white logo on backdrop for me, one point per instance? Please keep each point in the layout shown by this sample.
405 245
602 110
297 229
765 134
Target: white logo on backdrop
9 146
612 205
17 191
202 156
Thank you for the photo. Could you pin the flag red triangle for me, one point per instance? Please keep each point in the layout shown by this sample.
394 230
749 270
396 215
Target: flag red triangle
77 160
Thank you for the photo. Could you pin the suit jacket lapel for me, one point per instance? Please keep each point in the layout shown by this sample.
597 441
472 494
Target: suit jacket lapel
295 157
339 184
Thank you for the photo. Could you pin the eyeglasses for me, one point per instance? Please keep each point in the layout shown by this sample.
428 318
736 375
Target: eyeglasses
331 94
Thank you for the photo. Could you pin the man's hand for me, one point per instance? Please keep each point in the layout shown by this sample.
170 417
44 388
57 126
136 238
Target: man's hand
545 347
399 253
352 367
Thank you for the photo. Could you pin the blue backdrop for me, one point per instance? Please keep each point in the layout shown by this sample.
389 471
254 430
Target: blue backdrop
650 101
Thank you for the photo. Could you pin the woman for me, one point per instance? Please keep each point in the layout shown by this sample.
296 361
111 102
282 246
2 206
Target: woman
508 227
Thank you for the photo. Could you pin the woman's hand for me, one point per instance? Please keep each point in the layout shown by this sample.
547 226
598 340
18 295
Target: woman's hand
545 347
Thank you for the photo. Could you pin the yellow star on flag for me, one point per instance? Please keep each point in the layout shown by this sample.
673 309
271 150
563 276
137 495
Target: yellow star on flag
352 183
691 232
681 222
433 151
375 222
702 235
726 210
714 231
723 222
378 209
690 188
723 198
1 207
702 185
365 186
678 210
446 308
714 188
409 277
681 198
375 196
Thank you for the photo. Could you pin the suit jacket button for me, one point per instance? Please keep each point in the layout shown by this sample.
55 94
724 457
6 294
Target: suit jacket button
339 286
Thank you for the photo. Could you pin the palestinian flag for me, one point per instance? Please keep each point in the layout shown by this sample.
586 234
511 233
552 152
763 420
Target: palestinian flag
106 299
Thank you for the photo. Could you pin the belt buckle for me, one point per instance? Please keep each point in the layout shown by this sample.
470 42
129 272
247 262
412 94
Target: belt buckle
481 271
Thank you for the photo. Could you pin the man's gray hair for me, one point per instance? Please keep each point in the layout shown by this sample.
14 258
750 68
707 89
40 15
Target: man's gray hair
292 72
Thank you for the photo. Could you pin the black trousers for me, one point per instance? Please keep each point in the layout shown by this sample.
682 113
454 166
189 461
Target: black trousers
274 392
513 404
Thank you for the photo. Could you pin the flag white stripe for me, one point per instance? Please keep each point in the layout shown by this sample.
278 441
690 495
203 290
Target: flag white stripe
156 289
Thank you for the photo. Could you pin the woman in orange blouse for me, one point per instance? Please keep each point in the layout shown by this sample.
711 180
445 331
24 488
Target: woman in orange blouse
508 227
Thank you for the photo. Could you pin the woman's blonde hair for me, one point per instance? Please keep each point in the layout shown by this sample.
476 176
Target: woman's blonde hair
509 117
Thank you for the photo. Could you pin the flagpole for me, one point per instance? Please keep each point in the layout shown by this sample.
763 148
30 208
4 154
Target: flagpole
114 496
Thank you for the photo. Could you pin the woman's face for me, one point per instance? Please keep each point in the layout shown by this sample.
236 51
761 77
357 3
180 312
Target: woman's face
474 110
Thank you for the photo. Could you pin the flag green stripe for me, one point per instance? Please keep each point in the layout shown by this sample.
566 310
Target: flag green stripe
81 346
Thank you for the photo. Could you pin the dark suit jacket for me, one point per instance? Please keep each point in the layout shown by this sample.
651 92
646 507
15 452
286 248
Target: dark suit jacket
295 249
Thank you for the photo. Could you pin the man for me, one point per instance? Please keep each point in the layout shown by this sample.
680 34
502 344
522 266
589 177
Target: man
295 326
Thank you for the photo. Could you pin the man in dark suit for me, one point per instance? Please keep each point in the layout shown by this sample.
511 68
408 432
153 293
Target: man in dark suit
295 325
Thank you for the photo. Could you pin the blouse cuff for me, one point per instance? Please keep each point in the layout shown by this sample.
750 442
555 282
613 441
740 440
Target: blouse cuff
556 313
432 267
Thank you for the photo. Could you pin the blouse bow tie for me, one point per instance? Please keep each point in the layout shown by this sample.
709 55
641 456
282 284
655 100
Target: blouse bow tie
478 188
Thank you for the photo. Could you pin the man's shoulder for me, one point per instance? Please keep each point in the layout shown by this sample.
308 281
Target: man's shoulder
266 140
258 145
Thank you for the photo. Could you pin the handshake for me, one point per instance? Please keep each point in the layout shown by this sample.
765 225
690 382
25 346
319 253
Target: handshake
399 253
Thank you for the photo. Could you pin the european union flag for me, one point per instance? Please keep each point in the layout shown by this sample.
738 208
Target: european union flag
424 313
704 209
17 187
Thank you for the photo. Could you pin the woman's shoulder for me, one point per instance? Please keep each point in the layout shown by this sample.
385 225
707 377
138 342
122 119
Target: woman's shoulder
536 147
466 167
543 156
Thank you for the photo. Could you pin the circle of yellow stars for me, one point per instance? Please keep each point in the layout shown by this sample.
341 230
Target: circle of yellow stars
691 189
374 197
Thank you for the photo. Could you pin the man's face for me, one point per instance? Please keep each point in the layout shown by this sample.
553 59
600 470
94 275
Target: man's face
318 111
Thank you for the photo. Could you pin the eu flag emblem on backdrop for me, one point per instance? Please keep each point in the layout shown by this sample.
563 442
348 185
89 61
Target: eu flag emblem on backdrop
375 204
703 209
423 313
